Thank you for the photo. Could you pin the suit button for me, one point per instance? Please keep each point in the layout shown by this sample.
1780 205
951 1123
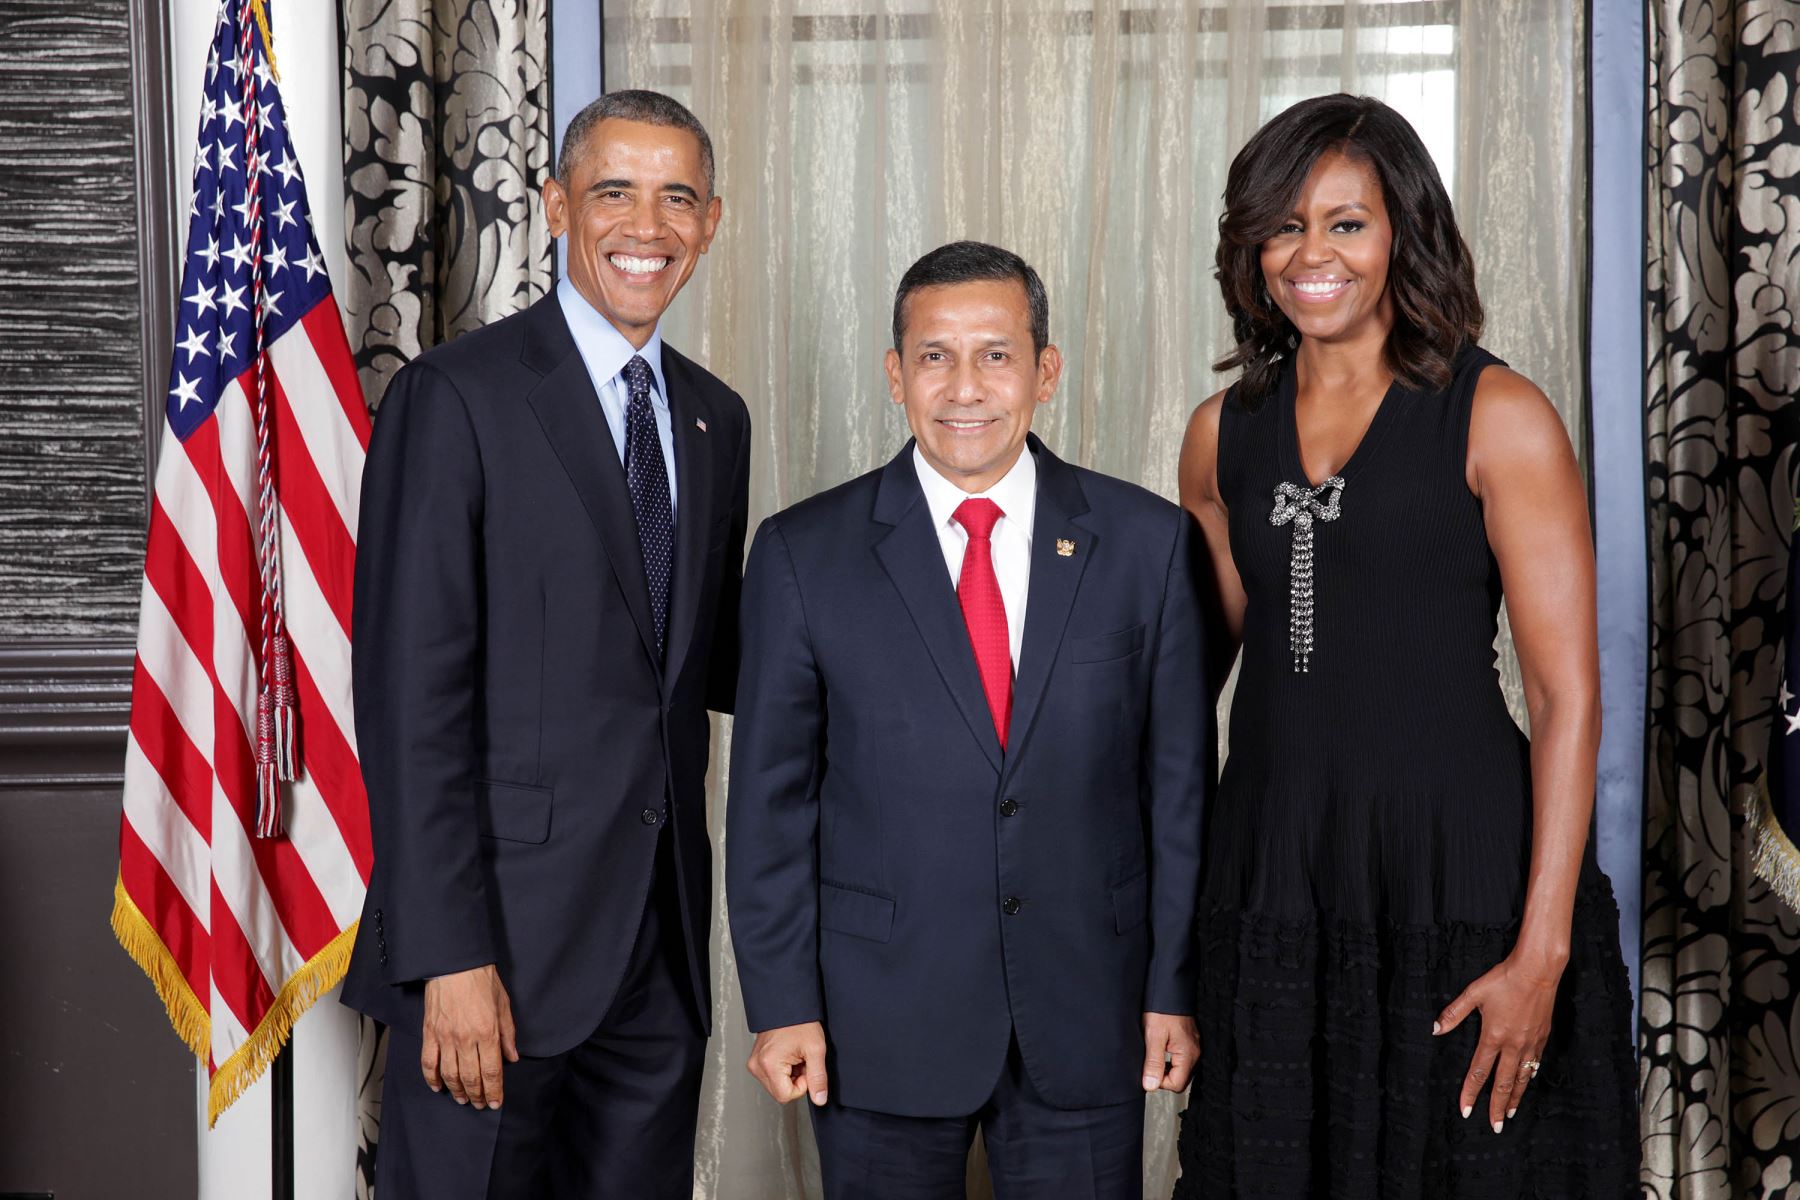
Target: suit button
1008 807
384 958
651 816
1012 906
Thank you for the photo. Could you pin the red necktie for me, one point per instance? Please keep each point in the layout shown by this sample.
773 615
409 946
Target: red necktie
984 611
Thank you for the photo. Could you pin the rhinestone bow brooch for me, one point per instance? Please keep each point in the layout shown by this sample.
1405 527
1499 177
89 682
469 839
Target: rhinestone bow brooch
1302 507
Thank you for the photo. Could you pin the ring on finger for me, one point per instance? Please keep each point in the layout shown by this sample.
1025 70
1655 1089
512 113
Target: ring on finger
1530 1067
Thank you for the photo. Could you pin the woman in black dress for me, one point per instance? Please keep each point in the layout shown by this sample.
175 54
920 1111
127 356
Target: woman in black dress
1412 985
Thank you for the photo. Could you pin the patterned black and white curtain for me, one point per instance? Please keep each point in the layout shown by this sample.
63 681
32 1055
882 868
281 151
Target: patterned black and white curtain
1720 1028
447 143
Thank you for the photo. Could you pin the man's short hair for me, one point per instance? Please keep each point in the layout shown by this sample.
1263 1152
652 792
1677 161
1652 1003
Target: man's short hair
651 108
967 262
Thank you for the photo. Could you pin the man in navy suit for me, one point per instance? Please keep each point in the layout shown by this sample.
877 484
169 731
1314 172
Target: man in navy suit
553 517
972 745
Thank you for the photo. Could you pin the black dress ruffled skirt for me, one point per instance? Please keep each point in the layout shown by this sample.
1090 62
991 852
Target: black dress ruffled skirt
1367 852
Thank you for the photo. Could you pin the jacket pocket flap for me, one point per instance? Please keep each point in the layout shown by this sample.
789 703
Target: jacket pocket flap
1131 904
513 812
1106 646
849 910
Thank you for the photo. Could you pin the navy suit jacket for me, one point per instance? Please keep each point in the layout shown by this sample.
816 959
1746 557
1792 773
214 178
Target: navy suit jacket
518 736
895 875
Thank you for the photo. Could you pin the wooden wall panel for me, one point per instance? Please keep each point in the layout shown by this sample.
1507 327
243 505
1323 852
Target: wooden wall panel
71 381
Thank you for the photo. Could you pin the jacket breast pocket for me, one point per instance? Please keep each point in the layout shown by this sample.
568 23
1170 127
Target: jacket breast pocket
512 812
856 912
1105 647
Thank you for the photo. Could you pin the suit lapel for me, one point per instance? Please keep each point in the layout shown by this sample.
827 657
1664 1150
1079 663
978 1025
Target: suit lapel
1054 580
693 510
569 411
911 555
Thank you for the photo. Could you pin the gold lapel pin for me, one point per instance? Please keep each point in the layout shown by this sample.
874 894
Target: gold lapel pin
1065 548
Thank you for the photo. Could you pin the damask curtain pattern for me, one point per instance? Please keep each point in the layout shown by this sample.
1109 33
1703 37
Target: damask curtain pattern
1720 1028
1093 137
447 143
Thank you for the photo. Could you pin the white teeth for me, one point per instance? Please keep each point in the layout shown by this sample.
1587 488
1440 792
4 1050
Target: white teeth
638 266
1319 288
965 424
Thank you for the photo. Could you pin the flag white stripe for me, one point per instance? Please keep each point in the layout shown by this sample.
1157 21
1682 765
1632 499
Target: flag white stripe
332 443
166 832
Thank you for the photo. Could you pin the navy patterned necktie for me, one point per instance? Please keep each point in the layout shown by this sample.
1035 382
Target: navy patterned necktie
648 477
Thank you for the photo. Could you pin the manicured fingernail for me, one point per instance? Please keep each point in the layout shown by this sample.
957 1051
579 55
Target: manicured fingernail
1151 1083
818 1098
1499 1125
1467 1109
1510 1112
1436 1028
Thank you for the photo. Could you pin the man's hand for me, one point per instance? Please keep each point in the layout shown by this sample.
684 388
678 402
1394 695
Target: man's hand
468 1025
790 1062
1171 1048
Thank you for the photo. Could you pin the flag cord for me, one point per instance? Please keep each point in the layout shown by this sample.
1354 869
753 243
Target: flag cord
277 747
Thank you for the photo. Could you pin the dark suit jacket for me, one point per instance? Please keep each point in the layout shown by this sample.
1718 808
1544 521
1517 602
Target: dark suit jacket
892 873
518 737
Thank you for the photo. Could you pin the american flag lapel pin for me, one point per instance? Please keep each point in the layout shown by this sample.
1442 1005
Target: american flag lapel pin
699 424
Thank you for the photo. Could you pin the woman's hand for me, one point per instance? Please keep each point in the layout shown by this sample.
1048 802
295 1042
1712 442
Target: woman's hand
1515 1001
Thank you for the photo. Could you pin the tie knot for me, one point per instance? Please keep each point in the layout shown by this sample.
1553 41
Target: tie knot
637 376
978 516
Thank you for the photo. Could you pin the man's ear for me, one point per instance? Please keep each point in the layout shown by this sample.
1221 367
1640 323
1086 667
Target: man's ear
556 207
1050 365
896 388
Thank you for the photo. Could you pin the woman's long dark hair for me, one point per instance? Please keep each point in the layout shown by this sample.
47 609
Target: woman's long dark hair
1430 272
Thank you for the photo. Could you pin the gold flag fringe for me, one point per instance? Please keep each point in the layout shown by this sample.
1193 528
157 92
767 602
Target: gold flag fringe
140 940
321 973
1772 855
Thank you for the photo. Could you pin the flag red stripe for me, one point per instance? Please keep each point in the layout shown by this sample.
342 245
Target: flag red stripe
312 515
169 750
161 902
334 769
324 328
236 974
236 548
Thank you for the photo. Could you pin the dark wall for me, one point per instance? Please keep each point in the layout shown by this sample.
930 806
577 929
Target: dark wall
97 1094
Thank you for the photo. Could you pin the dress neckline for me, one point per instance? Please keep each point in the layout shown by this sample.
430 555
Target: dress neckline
1294 465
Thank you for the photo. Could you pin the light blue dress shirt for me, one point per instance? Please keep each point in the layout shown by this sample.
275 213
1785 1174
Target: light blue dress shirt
605 352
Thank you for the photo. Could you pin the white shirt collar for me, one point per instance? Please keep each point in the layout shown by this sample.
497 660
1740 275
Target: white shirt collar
1015 493
603 348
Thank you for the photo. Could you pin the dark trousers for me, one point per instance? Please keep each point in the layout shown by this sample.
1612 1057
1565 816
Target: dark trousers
1034 1151
612 1119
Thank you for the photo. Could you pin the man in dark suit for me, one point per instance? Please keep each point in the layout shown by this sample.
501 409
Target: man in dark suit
972 745
547 582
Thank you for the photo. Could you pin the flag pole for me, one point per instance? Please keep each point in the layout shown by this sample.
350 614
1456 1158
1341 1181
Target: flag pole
281 1123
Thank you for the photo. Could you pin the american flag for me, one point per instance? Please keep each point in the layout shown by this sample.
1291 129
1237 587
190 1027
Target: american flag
244 850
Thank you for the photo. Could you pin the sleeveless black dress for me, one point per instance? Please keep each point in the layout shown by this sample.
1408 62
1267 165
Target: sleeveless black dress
1367 853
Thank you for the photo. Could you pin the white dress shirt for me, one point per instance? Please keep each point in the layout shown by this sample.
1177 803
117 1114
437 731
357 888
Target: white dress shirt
1016 494
605 352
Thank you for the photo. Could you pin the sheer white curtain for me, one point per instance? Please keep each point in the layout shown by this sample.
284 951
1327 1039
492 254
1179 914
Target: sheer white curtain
1092 138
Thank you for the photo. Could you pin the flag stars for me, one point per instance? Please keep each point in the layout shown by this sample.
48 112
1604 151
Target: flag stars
313 264
240 252
232 299
285 213
1786 697
211 254
233 112
276 259
1793 721
227 346
286 168
185 392
194 343
268 304
222 151
242 209
264 76
202 299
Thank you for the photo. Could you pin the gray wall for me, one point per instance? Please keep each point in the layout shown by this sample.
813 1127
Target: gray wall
87 1059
